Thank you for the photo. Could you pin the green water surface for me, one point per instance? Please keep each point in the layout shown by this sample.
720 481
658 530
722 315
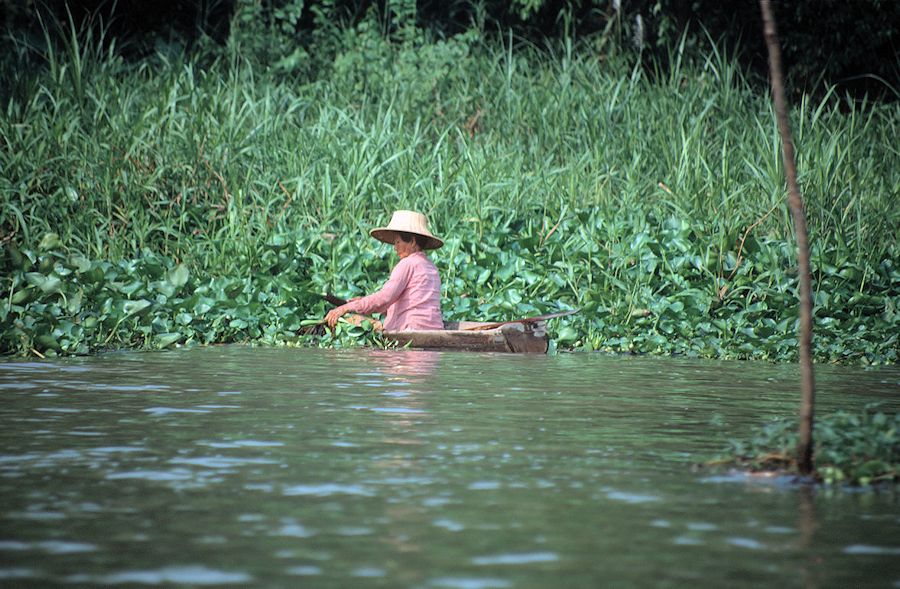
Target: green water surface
238 466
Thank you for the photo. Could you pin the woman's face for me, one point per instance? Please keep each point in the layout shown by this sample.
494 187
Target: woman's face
404 248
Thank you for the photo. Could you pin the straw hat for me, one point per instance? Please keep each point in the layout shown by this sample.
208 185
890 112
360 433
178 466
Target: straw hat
409 222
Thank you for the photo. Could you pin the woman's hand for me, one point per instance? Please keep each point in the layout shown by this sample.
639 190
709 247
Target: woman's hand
331 318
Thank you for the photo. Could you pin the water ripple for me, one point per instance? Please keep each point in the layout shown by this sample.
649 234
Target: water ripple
58 410
186 575
516 558
116 449
633 498
16 573
871 549
295 530
117 388
354 531
449 524
306 571
484 485
37 515
327 489
220 461
746 543
701 526
469 583
160 411
176 474
242 444
49 546
368 572
397 410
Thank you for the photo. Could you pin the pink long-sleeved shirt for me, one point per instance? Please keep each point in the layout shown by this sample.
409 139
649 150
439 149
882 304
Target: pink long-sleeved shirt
411 297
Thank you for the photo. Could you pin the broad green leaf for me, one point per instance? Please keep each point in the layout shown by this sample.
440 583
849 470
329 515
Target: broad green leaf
130 288
134 307
558 280
163 287
48 342
93 275
47 284
49 242
179 276
204 305
73 304
79 263
164 340
507 271
23 296
566 334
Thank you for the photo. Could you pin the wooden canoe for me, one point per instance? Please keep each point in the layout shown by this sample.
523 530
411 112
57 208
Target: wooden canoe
519 338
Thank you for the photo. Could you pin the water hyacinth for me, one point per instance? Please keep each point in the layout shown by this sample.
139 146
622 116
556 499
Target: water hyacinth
856 448
171 201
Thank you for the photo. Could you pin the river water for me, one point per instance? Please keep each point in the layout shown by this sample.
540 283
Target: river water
240 466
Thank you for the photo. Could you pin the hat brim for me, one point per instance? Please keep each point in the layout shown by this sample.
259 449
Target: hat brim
387 236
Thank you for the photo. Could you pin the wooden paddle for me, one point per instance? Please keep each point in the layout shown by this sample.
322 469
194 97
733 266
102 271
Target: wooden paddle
318 328
337 302
525 320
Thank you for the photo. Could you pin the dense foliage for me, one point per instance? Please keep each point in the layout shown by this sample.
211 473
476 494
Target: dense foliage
853 448
851 45
208 199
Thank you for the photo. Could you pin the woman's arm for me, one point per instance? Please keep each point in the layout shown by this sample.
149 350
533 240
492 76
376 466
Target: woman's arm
377 302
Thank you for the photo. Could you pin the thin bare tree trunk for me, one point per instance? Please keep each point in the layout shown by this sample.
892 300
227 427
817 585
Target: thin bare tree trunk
795 200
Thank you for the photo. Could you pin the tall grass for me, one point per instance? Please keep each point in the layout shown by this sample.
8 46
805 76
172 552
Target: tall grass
579 162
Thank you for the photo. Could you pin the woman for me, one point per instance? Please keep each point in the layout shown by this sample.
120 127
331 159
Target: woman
412 295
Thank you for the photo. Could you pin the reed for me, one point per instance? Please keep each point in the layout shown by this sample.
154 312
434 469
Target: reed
562 178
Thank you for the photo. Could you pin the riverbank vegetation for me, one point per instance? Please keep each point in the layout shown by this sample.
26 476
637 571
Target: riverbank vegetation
853 448
200 197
